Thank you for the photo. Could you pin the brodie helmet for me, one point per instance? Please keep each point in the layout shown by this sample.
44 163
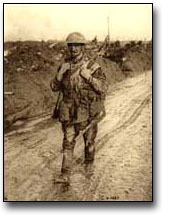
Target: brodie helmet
75 38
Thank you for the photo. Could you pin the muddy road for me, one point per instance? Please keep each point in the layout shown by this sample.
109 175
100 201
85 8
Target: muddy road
122 170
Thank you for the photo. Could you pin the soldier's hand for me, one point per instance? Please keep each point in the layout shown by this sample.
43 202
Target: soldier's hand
62 69
59 76
85 73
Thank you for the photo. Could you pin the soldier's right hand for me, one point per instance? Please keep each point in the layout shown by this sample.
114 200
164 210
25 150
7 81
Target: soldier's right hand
62 69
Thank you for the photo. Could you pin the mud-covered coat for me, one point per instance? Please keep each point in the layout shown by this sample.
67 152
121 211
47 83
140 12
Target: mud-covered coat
83 99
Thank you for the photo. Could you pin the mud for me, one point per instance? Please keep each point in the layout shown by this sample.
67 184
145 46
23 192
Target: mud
122 170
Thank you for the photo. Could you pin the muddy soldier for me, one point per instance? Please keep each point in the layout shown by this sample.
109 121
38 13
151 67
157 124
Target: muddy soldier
83 86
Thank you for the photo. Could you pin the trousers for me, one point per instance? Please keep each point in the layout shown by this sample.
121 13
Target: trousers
69 141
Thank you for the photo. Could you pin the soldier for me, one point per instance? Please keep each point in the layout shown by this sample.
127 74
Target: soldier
83 86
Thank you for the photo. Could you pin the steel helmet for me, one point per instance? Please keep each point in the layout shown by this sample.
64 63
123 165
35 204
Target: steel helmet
75 37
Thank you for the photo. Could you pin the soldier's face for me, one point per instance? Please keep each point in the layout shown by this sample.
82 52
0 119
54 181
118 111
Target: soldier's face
75 49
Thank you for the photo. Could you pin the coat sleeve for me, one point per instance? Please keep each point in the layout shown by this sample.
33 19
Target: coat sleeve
56 82
99 82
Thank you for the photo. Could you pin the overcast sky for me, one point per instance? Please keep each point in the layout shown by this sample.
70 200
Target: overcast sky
56 21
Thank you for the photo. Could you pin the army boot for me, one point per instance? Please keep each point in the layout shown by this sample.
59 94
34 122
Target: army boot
63 179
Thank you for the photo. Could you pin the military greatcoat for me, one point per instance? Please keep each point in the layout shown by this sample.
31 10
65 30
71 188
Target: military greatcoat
82 99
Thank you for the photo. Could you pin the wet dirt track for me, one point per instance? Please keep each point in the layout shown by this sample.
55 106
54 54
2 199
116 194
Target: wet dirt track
122 170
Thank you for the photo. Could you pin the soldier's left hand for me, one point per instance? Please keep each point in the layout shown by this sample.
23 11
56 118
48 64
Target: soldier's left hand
85 73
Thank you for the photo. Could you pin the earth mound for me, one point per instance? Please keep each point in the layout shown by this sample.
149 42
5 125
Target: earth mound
29 67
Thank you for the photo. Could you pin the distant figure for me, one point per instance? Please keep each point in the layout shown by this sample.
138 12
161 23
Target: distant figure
83 86
94 41
103 48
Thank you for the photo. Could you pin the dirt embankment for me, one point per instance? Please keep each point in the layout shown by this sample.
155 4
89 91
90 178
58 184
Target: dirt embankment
29 67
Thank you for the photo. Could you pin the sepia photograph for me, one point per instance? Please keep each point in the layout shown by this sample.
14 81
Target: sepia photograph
77 102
